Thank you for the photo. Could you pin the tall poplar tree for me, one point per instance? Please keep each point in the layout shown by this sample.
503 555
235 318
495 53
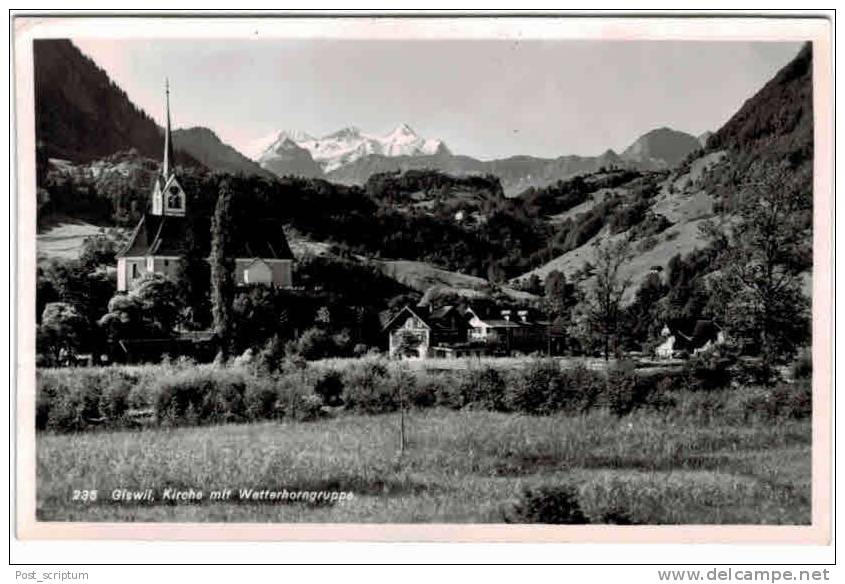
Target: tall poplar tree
222 269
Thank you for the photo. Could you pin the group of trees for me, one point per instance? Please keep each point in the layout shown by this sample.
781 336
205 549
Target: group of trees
750 280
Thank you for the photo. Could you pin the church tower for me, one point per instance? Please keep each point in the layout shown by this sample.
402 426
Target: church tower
168 196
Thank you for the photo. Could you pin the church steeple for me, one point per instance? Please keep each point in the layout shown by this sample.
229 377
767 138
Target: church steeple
168 196
167 163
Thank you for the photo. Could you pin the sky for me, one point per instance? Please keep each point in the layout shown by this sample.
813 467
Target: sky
484 98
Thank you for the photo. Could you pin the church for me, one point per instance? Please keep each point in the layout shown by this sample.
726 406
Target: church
155 246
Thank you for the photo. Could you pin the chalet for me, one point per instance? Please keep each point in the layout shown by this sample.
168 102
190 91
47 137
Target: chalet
156 245
509 330
417 333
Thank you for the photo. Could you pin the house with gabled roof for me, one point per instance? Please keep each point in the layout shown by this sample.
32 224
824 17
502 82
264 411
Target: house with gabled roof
425 330
156 245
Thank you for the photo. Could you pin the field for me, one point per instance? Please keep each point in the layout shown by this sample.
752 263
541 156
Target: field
63 237
704 460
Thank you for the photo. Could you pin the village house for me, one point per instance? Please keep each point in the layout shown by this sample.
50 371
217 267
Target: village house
702 336
416 333
156 245
419 333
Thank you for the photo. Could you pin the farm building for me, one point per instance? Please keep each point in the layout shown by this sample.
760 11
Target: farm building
262 256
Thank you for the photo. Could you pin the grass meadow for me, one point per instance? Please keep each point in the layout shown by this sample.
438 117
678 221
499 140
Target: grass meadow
701 460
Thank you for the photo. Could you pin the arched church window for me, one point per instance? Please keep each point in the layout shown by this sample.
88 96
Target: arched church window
174 198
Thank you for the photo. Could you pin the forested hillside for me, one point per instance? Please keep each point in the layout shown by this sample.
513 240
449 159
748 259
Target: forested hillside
81 115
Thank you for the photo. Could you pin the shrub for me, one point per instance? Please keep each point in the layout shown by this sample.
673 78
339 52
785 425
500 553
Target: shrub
115 388
367 388
548 504
309 407
271 356
533 390
709 370
427 390
329 388
74 400
315 343
200 395
291 391
260 399
622 392
484 388
577 390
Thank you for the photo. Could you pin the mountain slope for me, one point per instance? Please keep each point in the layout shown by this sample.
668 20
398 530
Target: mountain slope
72 94
777 122
772 128
661 148
205 146
286 158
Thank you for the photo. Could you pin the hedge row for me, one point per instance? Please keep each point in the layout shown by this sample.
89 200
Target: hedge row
166 395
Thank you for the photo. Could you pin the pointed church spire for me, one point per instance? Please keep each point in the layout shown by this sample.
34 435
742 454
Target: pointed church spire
167 163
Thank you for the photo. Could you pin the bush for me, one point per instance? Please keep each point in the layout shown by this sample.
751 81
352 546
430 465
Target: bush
483 388
709 370
533 390
427 390
577 391
329 388
623 392
260 399
72 400
548 504
367 388
271 356
200 396
115 388
315 343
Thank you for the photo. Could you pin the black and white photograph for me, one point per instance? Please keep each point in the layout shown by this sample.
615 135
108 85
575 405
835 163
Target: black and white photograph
294 277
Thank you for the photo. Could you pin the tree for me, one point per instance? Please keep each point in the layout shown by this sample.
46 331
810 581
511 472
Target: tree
62 330
124 319
222 269
642 321
149 310
604 301
758 293
87 289
559 294
99 250
158 297
259 316
192 277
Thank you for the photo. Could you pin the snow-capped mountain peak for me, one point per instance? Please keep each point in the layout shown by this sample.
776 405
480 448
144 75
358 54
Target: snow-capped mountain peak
351 143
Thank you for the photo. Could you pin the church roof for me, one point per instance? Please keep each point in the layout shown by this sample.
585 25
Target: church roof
156 235
164 235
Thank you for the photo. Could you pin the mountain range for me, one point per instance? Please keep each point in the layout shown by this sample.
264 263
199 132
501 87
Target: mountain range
72 91
350 156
